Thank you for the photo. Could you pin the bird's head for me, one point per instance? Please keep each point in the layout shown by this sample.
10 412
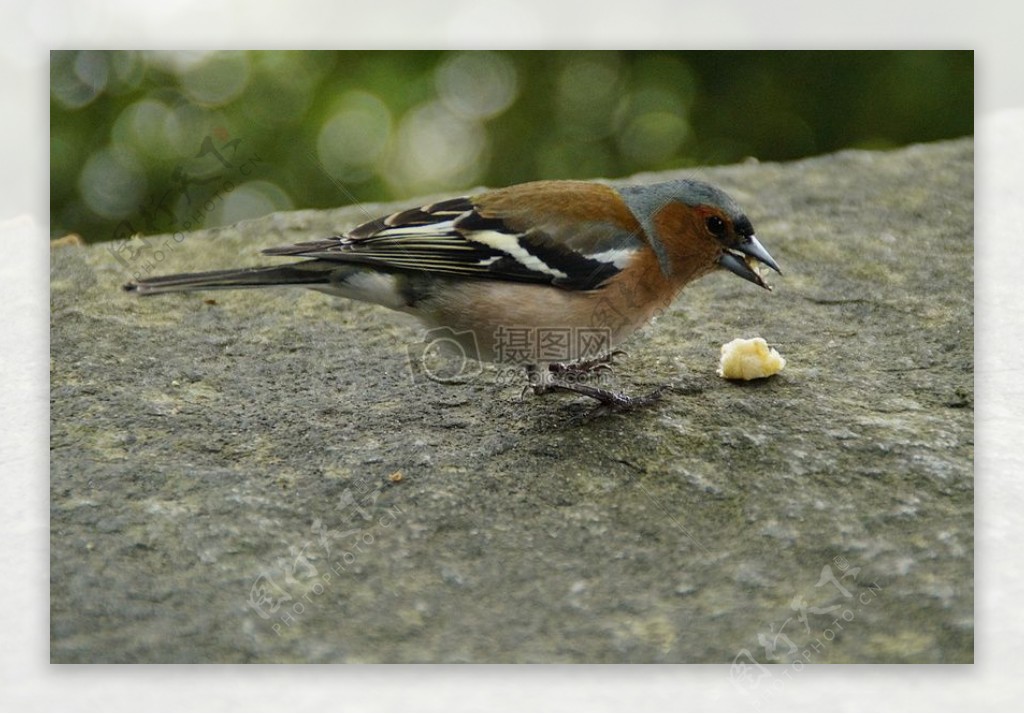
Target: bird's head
693 219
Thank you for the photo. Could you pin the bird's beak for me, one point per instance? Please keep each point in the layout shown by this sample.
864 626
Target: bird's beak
743 260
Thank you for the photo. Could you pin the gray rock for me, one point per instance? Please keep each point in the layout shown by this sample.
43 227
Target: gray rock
224 466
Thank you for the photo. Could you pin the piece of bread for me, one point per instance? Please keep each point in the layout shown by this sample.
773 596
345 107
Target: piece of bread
749 359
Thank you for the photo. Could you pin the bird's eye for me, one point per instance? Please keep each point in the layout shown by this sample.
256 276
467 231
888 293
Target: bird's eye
716 225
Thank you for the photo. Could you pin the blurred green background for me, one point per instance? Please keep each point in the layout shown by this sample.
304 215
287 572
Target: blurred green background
160 142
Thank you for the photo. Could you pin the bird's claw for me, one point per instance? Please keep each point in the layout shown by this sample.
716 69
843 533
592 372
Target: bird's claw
587 367
609 402
573 374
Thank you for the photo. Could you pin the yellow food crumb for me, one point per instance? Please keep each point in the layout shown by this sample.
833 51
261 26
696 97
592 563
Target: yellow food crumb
749 359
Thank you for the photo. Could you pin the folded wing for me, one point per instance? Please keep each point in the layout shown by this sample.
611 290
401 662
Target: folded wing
517 235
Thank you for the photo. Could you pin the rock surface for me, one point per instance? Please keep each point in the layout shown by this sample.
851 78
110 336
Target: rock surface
256 476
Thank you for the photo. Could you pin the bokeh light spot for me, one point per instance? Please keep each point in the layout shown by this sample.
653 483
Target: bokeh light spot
353 140
77 78
477 85
219 79
112 182
92 69
436 149
250 200
144 126
127 70
654 137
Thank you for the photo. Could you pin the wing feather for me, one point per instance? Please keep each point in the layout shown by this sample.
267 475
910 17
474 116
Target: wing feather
460 237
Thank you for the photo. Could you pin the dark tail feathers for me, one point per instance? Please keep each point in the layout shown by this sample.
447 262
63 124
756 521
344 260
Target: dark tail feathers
309 273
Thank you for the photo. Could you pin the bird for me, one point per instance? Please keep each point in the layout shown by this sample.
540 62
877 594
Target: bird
551 275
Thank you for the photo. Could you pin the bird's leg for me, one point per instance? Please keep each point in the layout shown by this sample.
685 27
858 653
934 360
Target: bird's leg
544 379
584 368
609 401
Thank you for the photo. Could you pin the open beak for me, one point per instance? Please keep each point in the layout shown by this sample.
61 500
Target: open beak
744 259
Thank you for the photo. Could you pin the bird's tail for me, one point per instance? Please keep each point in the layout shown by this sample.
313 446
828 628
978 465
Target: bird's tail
309 273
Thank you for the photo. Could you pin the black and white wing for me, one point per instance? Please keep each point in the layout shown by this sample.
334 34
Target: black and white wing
497 235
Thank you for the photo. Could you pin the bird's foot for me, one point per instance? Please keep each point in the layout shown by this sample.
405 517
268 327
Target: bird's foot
571 378
609 402
587 367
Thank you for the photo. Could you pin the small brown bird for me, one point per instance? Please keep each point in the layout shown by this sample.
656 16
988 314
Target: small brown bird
553 275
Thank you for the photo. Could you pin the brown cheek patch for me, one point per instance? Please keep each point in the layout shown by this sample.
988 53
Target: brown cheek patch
691 250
